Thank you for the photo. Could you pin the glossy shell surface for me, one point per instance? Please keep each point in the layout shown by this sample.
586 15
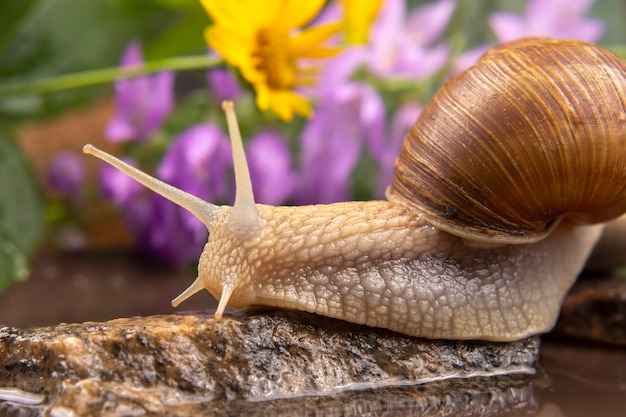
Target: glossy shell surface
533 133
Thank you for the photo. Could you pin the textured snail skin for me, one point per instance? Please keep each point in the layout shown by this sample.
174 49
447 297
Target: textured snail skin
389 264
381 264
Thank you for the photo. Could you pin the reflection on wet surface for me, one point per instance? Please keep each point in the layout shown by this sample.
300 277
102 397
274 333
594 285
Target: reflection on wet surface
572 380
584 380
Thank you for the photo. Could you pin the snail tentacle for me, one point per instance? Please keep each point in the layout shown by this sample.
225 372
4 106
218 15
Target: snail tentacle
243 221
195 287
204 211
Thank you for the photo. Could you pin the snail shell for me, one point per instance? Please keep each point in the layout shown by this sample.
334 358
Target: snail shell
533 133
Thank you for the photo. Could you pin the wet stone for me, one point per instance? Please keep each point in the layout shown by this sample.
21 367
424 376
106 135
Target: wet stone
190 363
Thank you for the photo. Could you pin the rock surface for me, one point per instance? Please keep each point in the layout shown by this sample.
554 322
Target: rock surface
190 363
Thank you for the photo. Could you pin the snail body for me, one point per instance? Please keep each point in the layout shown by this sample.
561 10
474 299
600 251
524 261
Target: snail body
383 265
409 265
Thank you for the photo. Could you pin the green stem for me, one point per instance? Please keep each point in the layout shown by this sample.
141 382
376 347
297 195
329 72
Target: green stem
105 75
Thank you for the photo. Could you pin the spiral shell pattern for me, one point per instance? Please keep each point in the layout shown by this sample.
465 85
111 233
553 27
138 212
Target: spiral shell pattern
533 133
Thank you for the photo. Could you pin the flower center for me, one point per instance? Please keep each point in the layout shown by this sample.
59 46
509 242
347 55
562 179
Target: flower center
274 59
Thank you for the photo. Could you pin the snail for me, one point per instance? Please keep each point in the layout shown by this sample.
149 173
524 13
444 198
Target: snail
501 190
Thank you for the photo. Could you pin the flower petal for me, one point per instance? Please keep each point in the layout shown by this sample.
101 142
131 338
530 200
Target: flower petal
223 12
550 18
315 35
359 16
295 102
233 46
66 173
257 42
162 100
262 96
330 151
401 123
338 71
197 161
223 84
428 22
297 13
507 26
132 55
118 129
164 231
301 106
420 62
309 40
590 30
117 186
142 102
280 103
243 14
261 13
318 52
269 160
390 23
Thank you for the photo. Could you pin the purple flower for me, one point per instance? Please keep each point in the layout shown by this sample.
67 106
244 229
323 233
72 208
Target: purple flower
349 116
117 186
223 84
550 18
328 158
401 124
269 160
162 231
406 47
66 173
142 102
198 162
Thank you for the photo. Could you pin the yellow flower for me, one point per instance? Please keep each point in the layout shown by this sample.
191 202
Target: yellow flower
358 16
260 38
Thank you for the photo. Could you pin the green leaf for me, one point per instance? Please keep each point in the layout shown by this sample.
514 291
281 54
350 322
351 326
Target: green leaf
21 211
10 18
46 38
